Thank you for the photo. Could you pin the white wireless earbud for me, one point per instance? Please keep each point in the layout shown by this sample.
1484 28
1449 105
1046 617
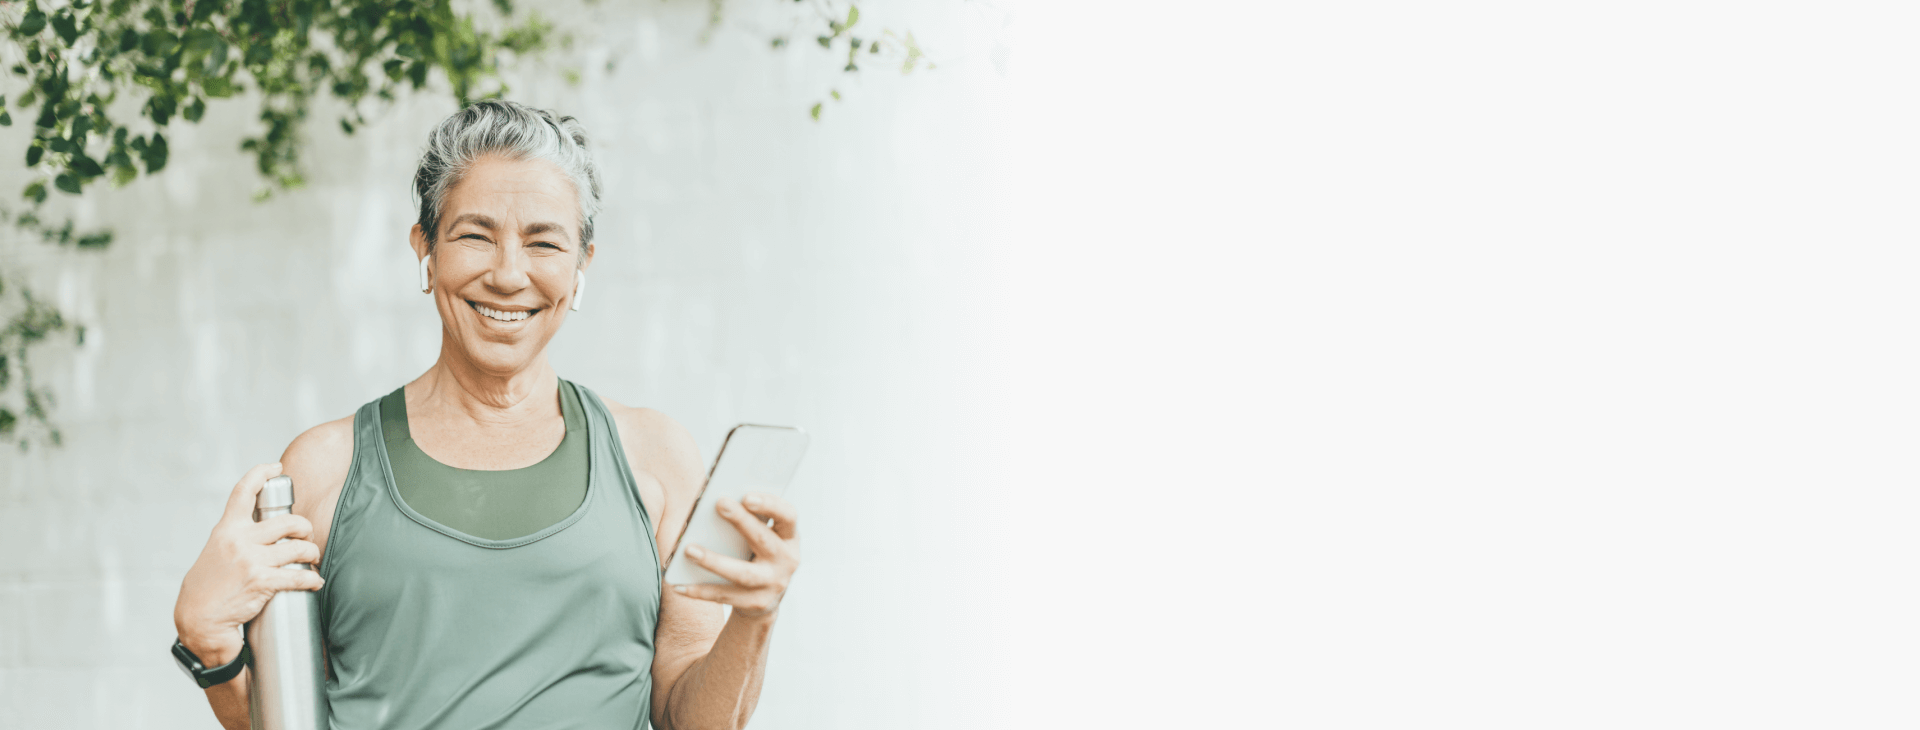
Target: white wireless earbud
426 283
579 288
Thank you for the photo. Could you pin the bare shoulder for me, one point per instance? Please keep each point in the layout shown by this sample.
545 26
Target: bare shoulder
664 447
667 469
318 461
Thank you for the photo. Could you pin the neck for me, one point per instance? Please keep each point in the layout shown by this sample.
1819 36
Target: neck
455 384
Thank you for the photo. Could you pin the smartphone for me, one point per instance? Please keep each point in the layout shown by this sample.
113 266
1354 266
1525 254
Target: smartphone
752 459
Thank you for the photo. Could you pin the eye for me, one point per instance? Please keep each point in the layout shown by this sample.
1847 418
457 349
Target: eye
544 243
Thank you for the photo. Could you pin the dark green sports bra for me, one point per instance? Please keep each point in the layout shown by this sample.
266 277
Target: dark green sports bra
496 505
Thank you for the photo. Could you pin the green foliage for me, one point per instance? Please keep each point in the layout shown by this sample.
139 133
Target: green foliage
167 58
839 34
27 415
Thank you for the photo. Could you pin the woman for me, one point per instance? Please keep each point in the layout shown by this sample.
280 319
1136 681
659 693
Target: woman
488 537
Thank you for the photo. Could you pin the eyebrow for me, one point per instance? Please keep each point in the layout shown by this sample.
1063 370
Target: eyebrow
531 229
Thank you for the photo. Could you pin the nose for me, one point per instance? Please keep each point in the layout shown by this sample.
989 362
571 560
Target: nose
509 271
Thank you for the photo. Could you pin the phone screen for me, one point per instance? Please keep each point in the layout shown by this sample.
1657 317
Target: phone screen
753 458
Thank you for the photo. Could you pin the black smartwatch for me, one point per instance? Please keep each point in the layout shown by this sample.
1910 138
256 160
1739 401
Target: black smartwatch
205 677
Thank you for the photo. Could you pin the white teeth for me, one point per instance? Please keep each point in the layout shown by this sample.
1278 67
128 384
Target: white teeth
492 313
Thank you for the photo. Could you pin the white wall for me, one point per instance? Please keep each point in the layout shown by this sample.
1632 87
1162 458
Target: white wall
753 266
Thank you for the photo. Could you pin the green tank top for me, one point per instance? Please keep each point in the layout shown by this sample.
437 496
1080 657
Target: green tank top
431 626
497 505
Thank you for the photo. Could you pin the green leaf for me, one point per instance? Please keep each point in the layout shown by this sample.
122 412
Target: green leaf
826 41
853 15
37 192
160 108
816 111
155 155
32 22
33 155
67 183
218 88
85 165
63 26
6 118
216 57
59 144
346 126
836 94
195 110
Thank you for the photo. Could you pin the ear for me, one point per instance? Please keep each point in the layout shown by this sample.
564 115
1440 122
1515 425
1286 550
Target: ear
418 239
589 261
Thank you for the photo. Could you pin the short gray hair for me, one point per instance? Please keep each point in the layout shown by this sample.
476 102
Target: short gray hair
515 131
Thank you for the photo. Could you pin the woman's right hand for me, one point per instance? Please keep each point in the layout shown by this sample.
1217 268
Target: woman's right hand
239 570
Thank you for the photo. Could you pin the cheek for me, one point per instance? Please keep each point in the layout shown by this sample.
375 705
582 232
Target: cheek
457 268
556 283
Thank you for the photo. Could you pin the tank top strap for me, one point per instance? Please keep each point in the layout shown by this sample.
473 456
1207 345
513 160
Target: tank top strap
607 449
366 481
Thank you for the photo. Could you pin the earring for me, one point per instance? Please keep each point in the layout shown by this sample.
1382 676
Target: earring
579 288
426 284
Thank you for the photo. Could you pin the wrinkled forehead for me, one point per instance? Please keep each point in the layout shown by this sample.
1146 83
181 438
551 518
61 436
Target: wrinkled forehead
529 195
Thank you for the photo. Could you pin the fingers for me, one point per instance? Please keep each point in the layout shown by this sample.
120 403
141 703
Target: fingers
287 579
745 599
293 551
765 543
285 526
786 519
240 502
740 572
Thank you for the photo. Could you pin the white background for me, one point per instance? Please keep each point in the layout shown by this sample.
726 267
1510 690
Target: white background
1221 364
1464 365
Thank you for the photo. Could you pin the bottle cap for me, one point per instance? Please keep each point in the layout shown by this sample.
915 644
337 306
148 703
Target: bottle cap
277 494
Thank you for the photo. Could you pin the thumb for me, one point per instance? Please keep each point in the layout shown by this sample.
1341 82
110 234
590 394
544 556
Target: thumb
240 502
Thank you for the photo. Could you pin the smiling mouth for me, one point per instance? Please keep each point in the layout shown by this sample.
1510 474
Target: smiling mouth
495 314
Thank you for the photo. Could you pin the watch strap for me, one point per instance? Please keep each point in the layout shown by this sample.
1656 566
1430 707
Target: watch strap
208 677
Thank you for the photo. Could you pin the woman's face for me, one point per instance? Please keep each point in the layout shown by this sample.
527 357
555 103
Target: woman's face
509 243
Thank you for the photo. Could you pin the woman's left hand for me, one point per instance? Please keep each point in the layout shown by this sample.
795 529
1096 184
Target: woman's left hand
757 585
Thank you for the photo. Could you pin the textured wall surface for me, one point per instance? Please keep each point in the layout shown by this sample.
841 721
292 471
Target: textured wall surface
753 266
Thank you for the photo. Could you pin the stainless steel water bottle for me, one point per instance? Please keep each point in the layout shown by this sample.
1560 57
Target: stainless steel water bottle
286 686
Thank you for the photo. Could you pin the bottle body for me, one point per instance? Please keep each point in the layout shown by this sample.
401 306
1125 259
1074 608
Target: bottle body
286 683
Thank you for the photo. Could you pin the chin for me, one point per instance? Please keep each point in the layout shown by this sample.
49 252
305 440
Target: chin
502 358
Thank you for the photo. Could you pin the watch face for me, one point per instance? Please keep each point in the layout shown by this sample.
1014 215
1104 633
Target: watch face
181 658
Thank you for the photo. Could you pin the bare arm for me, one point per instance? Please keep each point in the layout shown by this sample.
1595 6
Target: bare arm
239 569
720 688
707 666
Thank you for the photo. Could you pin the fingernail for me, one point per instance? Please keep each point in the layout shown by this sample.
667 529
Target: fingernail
751 501
725 505
679 589
694 551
